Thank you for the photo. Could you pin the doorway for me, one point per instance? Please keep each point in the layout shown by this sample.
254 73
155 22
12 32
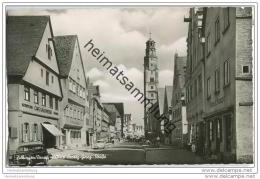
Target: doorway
87 138
49 140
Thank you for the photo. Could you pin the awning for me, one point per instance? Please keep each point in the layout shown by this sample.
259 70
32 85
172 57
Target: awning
52 129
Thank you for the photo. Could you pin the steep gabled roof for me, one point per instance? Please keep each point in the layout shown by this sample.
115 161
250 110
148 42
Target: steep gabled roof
23 37
64 51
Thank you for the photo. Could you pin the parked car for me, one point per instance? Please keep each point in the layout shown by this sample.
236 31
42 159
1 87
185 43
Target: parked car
30 154
100 144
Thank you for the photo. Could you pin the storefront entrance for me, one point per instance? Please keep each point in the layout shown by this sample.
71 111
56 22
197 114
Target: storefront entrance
50 135
87 138
49 141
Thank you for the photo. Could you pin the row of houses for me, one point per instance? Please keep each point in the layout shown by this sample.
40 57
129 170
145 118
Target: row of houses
211 99
50 100
132 130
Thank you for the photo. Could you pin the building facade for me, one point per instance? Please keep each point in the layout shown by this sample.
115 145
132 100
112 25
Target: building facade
151 124
228 84
111 108
167 112
161 92
105 124
127 125
34 90
178 111
96 109
74 87
194 79
119 118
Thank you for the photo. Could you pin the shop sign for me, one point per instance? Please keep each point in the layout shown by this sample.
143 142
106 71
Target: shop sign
37 108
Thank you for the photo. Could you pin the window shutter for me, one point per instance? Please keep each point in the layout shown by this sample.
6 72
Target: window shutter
38 133
21 133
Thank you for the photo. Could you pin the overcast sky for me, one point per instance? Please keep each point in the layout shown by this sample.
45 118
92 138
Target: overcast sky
121 32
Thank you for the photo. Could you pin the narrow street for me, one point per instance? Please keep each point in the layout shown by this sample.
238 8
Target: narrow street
129 153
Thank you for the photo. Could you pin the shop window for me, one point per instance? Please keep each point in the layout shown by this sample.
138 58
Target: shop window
26 93
25 131
36 97
43 99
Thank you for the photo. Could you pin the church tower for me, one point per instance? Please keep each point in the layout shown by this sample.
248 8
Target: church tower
150 84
